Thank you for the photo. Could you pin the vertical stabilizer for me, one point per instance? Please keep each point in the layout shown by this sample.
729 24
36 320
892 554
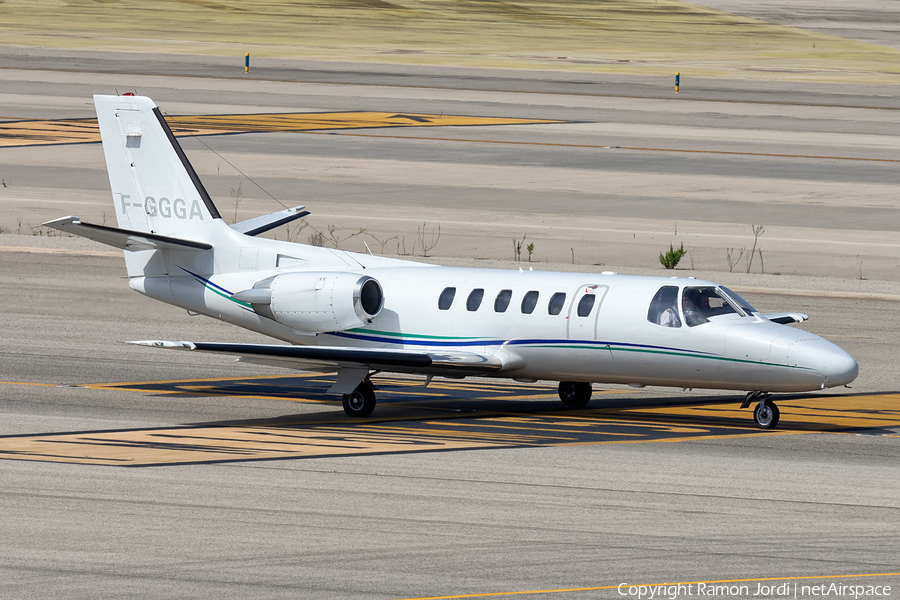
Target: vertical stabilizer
155 188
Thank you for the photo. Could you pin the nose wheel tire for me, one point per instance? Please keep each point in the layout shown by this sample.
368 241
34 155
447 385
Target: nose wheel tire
766 415
574 393
360 402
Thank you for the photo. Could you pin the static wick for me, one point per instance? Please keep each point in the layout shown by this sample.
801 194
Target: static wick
677 79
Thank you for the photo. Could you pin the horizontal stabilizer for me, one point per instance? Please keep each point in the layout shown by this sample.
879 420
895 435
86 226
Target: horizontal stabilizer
266 223
337 357
122 238
785 318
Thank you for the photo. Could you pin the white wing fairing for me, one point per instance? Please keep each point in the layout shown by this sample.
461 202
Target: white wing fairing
355 314
454 364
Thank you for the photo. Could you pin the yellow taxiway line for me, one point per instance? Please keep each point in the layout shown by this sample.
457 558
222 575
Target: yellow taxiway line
36 132
72 131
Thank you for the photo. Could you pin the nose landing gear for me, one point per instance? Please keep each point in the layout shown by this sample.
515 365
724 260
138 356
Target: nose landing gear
766 413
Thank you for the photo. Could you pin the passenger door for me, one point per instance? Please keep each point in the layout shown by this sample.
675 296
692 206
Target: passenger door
584 312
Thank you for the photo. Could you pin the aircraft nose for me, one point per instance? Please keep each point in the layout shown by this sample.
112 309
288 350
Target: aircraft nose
840 368
836 366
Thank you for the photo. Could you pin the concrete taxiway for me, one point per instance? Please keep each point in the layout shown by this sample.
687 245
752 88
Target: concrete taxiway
248 481
255 482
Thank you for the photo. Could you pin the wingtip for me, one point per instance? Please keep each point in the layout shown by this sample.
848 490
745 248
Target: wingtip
71 219
164 344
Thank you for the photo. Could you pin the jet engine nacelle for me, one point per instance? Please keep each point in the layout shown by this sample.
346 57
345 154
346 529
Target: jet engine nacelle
317 302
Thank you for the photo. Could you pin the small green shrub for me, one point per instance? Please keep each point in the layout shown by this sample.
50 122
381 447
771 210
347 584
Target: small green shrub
671 258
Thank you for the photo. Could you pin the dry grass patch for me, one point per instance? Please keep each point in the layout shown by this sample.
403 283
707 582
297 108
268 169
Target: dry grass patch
627 36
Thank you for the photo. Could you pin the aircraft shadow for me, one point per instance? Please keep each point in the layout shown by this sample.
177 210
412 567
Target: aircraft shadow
444 417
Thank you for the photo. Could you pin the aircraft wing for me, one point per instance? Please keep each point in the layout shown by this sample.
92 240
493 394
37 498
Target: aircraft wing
335 358
785 318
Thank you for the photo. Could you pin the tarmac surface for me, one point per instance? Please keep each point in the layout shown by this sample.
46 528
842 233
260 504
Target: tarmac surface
248 481
258 484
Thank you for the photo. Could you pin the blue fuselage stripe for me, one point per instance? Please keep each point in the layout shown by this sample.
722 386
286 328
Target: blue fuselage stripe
206 281
401 341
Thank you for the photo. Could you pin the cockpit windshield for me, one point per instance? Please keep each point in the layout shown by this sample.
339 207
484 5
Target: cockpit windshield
743 304
701 303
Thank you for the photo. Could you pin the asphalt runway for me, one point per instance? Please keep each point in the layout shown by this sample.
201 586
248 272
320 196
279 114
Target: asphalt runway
248 481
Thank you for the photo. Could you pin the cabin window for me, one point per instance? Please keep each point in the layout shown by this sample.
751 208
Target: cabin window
586 305
446 298
557 301
502 301
701 303
529 302
474 300
664 307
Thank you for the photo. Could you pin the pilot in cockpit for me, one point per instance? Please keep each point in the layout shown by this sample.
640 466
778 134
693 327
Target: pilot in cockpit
695 304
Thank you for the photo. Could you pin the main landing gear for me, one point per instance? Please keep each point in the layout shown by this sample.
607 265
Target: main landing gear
361 401
574 393
766 413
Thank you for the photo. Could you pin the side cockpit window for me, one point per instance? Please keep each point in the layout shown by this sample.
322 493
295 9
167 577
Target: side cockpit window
701 303
446 298
664 307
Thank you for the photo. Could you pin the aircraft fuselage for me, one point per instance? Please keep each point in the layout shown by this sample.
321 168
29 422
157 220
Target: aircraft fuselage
615 342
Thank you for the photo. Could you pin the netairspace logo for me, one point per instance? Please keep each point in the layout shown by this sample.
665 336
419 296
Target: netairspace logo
785 589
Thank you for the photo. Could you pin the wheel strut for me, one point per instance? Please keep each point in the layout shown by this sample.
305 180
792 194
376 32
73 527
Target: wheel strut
753 396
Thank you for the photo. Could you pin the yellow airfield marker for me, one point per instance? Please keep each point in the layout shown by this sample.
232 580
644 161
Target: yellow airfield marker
73 131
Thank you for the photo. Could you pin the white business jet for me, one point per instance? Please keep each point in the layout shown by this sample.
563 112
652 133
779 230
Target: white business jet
358 314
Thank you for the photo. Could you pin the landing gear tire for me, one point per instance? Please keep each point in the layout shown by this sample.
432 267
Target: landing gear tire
574 393
766 415
360 402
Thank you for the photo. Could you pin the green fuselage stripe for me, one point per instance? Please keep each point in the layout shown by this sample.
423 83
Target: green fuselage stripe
227 297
